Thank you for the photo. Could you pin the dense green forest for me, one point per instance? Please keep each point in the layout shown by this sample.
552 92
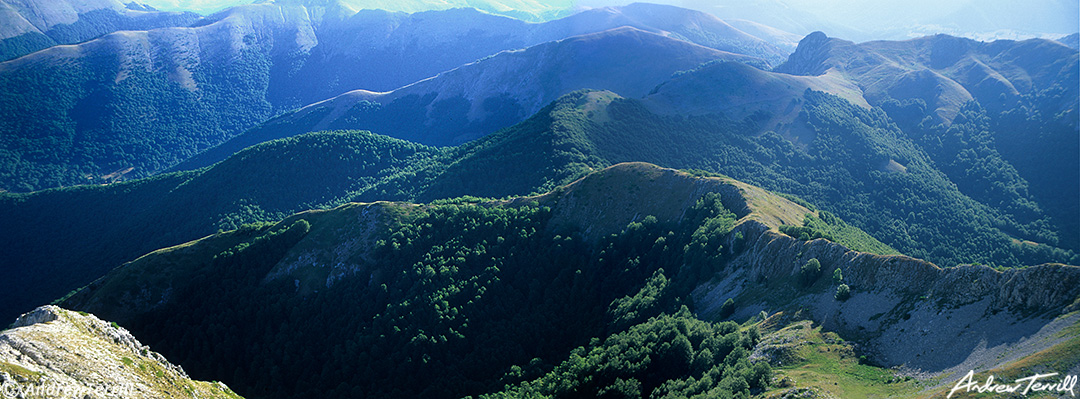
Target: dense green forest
453 299
135 103
95 117
303 200
914 208
74 235
917 210
412 117
666 357
920 206
989 153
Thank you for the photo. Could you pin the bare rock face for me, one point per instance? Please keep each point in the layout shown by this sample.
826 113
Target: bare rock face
906 312
1049 288
810 57
43 314
52 352
1039 287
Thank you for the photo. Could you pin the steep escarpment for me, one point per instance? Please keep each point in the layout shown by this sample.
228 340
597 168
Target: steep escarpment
904 311
51 353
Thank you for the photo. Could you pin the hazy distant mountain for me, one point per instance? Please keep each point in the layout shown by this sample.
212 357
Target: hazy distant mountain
944 71
690 25
990 20
850 19
27 26
381 51
479 98
783 40
896 19
142 101
860 214
527 10
1025 123
1072 40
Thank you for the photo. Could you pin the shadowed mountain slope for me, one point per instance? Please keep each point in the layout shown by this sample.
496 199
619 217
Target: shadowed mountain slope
133 103
603 256
791 139
29 26
1007 109
479 98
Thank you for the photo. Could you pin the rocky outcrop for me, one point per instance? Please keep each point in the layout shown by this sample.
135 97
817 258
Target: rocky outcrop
907 312
810 57
52 352
1037 289
43 314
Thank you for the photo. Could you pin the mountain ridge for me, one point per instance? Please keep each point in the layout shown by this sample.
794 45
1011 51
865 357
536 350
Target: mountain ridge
478 98
1011 99
578 133
147 100
623 203
969 69
639 195
30 26
909 312
530 11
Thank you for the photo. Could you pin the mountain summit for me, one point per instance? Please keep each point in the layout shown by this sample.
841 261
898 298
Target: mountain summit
31 25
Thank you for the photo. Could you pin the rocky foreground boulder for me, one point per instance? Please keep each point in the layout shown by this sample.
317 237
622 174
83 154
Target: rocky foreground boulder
51 353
